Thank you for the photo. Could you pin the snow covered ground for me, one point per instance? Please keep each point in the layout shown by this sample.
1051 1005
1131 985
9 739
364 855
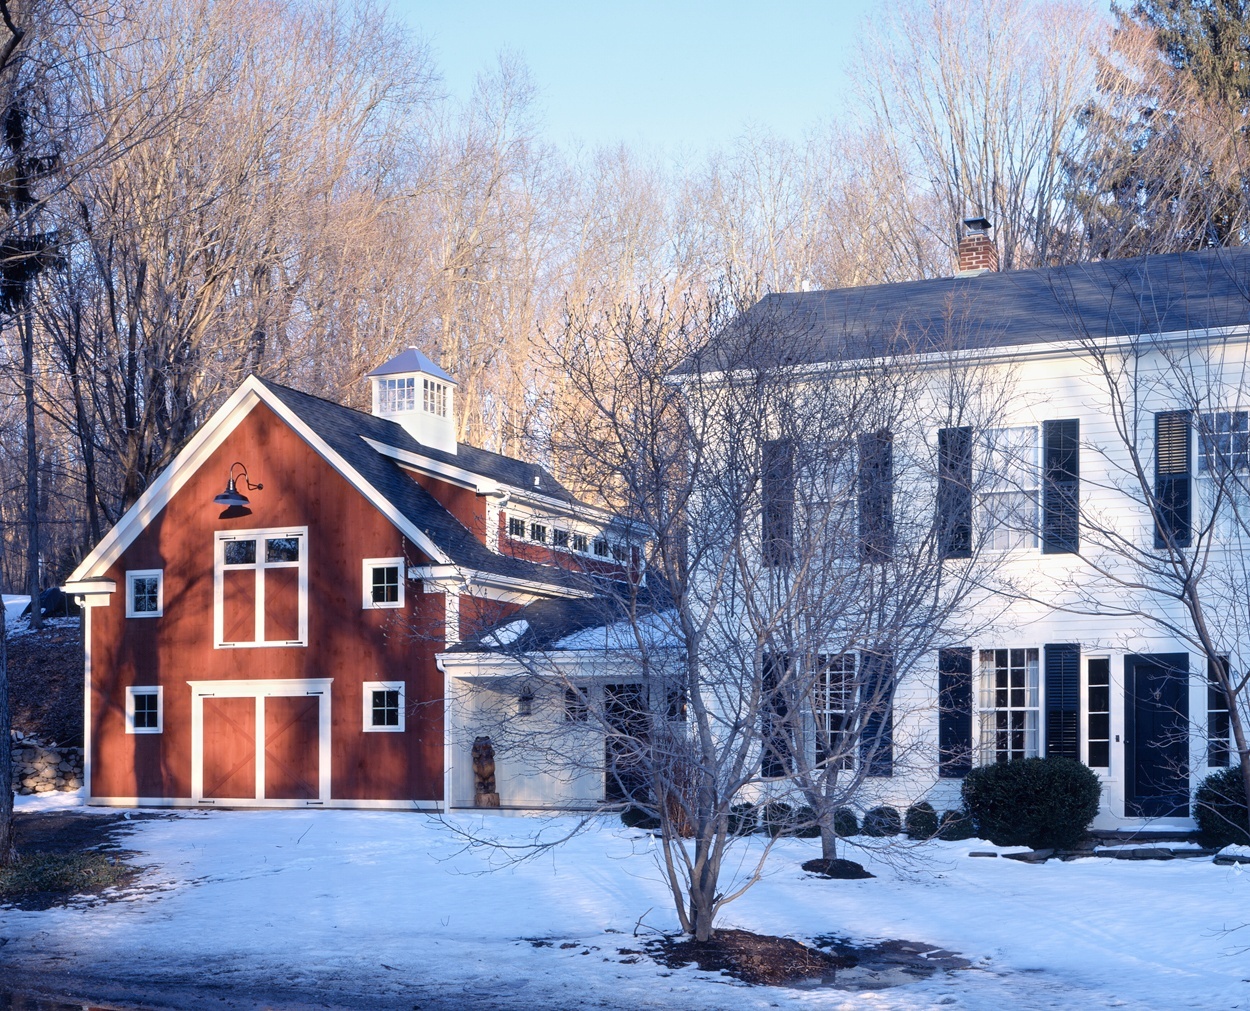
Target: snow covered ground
387 909
14 605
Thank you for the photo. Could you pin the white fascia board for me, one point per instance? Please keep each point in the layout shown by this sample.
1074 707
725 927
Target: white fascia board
451 578
488 486
202 445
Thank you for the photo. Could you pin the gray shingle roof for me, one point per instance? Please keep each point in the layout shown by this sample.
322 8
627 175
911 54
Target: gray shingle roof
1162 293
345 431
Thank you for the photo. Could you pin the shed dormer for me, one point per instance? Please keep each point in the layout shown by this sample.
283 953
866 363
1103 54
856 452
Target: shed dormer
413 391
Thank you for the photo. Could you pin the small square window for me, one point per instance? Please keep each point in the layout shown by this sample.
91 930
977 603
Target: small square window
144 710
145 593
580 542
384 707
383 580
516 527
538 533
560 539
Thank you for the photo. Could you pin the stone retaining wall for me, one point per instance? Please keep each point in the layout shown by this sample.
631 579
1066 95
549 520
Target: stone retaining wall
43 768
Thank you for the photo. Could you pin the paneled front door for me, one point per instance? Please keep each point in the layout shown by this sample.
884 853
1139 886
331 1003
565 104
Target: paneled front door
1156 740
229 748
291 759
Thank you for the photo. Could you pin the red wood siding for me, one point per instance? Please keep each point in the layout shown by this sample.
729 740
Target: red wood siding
463 503
346 642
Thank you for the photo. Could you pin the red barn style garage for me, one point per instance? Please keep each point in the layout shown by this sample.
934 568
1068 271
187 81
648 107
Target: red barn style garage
275 643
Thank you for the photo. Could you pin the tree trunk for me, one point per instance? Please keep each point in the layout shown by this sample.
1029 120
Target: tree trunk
32 469
8 851
828 840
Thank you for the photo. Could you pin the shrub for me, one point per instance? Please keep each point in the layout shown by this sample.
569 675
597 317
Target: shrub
636 817
803 824
1220 809
881 822
1039 802
777 818
955 825
742 819
845 824
922 821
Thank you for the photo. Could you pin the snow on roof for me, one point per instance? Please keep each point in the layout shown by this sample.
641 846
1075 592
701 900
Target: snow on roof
505 634
652 631
411 360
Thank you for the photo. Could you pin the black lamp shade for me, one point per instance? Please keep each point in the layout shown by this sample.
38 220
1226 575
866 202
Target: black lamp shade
231 498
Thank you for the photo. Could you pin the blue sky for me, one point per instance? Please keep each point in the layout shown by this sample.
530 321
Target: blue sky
683 76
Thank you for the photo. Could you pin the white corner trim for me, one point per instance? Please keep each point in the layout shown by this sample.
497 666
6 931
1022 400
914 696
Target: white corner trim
451 617
131 576
86 702
366 582
367 724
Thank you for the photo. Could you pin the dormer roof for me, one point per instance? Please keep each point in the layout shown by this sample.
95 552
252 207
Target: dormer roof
411 360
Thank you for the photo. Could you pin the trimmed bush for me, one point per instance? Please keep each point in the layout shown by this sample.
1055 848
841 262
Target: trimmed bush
881 822
954 826
921 821
845 824
743 819
1044 803
1220 809
803 824
636 817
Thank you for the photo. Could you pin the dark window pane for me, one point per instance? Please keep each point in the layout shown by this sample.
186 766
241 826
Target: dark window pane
240 552
516 527
1099 754
579 542
560 538
386 584
282 549
1099 700
1099 726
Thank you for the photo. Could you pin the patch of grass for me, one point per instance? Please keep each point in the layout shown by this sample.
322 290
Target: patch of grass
41 880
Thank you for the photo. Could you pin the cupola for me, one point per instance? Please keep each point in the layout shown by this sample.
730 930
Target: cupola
411 390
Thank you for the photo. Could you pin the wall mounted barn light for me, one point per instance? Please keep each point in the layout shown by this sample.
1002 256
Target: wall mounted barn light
232 498
525 704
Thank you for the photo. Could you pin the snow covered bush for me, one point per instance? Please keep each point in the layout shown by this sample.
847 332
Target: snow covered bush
1220 809
1045 803
921 821
881 822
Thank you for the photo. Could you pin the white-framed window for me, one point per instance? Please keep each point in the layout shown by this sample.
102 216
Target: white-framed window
434 398
601 547
834 707
383 582
395 395
1010 704
1224 470
1011 492
384 707
538 533
560 539
145 593
581 543
828 496
516 527
260 587
145 709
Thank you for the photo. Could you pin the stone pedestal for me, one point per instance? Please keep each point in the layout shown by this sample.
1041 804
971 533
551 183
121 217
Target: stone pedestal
486 800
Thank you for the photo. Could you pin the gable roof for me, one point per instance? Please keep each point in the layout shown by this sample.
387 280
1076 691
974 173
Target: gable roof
1161 293
338 434
410 360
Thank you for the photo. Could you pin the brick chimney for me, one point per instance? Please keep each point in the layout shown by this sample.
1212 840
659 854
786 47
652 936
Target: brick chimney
977 251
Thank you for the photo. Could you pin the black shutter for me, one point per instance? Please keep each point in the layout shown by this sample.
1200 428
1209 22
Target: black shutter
777 755
954 712
1063 700
876 742
954 495
1172 467
876 496
1061 487
777 479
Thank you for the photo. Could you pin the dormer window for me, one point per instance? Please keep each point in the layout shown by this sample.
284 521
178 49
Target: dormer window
435 397
395 395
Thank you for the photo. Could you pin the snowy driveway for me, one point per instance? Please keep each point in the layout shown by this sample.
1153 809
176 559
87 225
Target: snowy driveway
387 910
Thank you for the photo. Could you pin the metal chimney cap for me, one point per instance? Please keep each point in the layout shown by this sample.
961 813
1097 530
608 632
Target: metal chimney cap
978 225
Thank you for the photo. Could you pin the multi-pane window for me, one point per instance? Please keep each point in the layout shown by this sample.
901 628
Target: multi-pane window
538 533
383 706
620 553
1009 706
829 498
560 539
1098 725
434 398
1218 750
516 527
143 710
144 594
601 547
261 588
580 542
1224 469
834 706
395 395
1010 498
383 583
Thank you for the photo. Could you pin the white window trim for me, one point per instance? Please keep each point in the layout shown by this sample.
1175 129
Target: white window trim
366 593
367 706
220 538
985 747
131 576
131 692
994 492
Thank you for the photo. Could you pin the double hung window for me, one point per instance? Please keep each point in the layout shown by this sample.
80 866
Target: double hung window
1009 704
834 709
1224 470
1010 498
260 587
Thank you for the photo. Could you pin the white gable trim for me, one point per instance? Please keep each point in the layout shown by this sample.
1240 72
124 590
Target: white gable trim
203 444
